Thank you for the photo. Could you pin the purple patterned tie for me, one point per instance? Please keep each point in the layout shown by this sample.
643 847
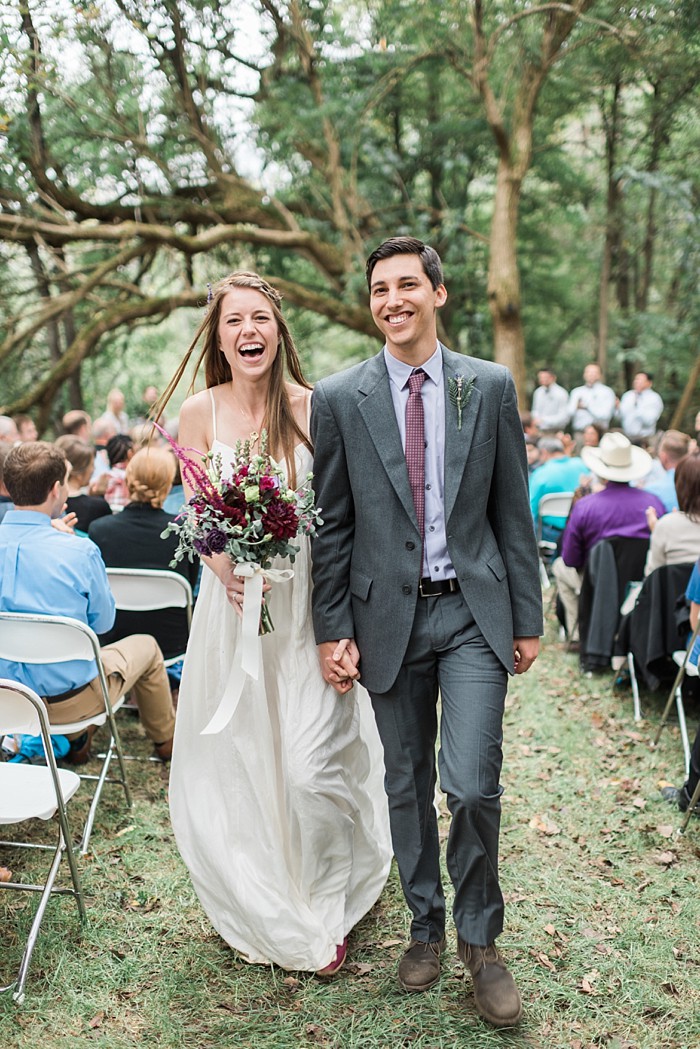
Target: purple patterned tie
415 444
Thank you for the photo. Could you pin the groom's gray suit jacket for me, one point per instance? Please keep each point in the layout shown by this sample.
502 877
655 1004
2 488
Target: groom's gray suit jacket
367 556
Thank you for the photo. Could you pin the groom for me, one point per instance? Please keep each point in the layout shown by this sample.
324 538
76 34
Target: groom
426 580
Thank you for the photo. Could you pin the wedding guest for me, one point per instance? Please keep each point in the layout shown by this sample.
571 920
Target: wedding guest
9 434
594 402
616 510
640 408
77 423
115 412
661 478
80 501
134 539
592 434
675 538
51 572
119 451
550 403
280 816
556 473
26 428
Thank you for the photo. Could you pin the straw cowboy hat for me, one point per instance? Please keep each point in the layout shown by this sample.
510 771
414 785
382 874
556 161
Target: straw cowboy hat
616 459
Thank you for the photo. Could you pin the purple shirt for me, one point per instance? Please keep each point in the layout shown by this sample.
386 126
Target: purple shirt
616 510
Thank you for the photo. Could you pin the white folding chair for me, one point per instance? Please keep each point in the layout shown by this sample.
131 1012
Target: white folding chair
556 504
31 792
27 637
681 658
151 589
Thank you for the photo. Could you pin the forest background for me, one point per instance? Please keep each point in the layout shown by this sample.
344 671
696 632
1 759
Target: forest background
548 151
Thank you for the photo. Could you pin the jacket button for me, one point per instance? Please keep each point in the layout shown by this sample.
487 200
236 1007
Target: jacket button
406 589
410 545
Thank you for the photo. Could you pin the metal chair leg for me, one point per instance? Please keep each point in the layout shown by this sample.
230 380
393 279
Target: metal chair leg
635 688
691 808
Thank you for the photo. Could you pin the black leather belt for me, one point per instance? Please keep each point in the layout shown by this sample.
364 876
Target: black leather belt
428 587
65 695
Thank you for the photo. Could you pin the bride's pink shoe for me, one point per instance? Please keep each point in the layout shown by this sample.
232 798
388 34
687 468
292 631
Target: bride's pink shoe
337 964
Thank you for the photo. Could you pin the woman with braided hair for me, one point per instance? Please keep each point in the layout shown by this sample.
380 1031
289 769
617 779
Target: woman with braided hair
132 539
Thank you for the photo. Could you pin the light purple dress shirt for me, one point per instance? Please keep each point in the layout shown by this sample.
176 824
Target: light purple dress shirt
436 559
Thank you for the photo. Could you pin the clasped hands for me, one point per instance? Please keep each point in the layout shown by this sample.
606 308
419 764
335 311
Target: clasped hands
339 663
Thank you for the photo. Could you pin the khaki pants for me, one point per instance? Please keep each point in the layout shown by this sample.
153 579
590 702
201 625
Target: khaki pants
133 664
569 587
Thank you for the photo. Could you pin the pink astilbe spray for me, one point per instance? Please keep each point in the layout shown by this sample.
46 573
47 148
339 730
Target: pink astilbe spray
193 473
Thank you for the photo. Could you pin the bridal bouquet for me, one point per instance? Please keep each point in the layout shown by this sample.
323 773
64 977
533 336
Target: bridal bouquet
244 509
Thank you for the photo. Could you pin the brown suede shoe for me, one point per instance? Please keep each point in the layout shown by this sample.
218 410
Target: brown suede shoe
496 996
419 969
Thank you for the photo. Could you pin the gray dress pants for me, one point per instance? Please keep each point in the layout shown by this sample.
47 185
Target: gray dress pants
446 655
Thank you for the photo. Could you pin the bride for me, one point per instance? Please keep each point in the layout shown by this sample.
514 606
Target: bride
281 817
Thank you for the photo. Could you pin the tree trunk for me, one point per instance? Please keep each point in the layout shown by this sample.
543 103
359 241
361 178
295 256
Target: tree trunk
688 397
612 226
504 277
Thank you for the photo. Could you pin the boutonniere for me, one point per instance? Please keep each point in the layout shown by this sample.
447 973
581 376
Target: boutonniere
460 390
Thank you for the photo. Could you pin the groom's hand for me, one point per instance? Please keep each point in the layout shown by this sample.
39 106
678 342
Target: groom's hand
339 661
525 651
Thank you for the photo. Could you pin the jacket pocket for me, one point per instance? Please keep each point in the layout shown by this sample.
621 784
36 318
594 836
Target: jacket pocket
359 585
481 451
497 567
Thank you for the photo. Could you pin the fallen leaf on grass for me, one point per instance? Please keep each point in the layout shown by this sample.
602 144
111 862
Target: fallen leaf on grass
666 830
670 988
550 930
124 830
97 1019
291 983
544 826
664 859
602 948
314 1031
390 943
640 803
359 968
5 874
546 961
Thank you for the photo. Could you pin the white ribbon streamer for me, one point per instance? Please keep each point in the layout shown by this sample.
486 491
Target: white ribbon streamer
248 655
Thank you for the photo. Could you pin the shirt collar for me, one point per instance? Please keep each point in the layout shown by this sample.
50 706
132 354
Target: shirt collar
400 373
26 517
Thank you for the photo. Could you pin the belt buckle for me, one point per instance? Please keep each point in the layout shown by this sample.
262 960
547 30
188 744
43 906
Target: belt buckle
421 591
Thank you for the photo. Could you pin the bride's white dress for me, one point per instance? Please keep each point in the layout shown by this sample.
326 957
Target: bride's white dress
281 818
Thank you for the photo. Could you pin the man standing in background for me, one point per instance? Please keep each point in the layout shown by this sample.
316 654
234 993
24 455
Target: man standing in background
640 408
594 402
550 403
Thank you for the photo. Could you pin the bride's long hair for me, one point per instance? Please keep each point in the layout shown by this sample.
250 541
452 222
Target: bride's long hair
283 431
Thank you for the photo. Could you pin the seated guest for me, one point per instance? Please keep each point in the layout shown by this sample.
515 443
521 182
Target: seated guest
557 472
119 450
681 795
615 510
5 500
9 434
86 507
675 539
26 428
660 479
591 435
77 423
55 573
132 539
102 432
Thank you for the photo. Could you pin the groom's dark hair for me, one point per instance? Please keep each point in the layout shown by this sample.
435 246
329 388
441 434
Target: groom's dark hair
430 260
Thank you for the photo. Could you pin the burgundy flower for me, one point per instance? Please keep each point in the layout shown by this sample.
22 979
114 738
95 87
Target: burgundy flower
268 484
202 547
216 540
280 520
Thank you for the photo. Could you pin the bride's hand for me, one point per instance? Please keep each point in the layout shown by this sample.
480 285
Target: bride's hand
235 587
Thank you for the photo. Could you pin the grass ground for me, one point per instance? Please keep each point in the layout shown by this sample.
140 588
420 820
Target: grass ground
602 918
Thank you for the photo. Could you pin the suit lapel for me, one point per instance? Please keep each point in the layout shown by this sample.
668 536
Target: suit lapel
457 442
377 409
